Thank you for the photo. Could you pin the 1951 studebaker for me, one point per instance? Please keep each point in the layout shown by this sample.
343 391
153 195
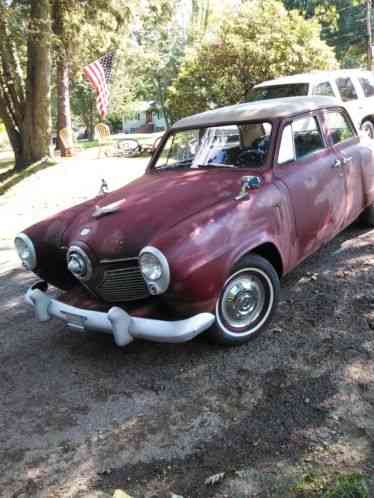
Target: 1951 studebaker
231 201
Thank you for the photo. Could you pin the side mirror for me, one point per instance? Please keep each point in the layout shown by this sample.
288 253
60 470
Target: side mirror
248 183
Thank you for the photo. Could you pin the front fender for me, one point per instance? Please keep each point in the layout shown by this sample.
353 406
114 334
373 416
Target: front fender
203 249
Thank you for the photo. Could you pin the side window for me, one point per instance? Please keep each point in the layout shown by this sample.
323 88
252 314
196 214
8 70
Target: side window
300 139
324 88
367 86
338 126
346 89
307 137
286 149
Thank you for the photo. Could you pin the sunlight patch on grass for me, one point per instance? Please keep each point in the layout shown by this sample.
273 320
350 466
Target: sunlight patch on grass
17 177
6 164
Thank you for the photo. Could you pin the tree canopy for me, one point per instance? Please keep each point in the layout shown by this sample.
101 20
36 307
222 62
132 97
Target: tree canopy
186 55
249 48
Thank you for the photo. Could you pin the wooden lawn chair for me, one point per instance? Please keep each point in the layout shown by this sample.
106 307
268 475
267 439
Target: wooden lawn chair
66 137
102 133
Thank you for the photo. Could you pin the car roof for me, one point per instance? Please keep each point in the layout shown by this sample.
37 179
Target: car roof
313 77
261 110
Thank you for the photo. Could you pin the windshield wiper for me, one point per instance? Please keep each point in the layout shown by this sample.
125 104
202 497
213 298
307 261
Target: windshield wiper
215 165
179 164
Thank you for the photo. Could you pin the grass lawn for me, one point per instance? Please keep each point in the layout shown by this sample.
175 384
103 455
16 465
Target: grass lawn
6 164
9 177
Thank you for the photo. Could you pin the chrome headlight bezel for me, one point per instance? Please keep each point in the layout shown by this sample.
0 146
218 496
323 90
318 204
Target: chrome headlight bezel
160 284
76 252
29 262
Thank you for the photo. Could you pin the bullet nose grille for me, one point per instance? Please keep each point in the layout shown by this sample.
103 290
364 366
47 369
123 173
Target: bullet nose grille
122 284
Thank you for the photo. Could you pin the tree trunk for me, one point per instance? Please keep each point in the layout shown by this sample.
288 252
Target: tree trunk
63 111
91 120
162 102
36 127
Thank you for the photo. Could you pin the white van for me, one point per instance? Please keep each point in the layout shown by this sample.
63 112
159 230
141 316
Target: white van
354 87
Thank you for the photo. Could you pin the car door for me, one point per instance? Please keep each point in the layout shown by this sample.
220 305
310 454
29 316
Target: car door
308 167
344 140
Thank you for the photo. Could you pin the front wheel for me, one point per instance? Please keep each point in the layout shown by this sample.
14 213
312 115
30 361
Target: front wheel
247 301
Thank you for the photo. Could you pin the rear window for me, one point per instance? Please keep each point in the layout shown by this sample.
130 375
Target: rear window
279 91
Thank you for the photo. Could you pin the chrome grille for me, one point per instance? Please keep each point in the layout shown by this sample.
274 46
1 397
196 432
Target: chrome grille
124 283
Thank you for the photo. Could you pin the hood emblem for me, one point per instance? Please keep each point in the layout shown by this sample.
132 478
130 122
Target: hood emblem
85 231
110 208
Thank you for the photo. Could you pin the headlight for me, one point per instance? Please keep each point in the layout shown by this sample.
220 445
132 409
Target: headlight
26 251
79 263
155 269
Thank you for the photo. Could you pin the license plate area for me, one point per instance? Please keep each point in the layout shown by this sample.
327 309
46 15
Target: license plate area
75 321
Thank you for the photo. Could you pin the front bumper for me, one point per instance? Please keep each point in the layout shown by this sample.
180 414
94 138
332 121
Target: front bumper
116 321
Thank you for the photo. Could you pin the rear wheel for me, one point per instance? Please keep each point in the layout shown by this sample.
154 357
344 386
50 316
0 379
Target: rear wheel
247 301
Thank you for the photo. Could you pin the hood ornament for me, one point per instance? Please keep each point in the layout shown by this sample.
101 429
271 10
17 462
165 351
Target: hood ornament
104 189
110 208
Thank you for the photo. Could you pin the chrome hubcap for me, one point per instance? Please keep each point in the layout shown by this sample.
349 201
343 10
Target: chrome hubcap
243 300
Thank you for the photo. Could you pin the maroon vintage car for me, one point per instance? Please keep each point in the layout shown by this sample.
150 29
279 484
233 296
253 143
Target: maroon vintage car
231 201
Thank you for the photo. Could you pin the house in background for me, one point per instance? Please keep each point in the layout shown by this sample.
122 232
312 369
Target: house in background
143 117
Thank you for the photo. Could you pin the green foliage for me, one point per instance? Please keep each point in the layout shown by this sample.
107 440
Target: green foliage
343 24
315 485
350 486
249 48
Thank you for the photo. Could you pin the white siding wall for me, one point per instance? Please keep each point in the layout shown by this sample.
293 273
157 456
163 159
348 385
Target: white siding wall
133 124
129 124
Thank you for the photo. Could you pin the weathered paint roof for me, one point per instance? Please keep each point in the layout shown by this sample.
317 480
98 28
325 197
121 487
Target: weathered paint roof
257 111
314 77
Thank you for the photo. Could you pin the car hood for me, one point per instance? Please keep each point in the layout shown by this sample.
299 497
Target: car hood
122 222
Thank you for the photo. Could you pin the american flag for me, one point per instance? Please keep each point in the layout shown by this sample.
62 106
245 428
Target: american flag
99 74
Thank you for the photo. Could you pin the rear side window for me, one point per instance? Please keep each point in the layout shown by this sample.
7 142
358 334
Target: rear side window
367 86
279 91
325 89
346 89
338 126
299 139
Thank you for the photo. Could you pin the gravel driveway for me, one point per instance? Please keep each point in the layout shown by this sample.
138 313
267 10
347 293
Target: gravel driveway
79 414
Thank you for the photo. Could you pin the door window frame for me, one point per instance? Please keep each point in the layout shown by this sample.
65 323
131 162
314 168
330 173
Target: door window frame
349 120
289 121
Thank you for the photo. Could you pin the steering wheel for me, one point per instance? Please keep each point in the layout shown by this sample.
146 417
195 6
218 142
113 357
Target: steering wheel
251 158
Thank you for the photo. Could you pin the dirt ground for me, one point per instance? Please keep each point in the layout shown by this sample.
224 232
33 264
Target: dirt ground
79 415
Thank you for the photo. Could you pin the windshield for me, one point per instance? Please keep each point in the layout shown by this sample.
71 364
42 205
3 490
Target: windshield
279 91
236 146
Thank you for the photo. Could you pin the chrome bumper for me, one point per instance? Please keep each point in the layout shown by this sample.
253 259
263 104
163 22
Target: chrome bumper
124 327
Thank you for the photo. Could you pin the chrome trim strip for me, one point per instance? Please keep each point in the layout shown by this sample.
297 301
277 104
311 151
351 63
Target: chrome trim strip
119 260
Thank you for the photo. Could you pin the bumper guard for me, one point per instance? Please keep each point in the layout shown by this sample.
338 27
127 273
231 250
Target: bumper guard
116 321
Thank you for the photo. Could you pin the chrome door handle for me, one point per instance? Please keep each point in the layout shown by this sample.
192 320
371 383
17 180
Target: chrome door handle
337 164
